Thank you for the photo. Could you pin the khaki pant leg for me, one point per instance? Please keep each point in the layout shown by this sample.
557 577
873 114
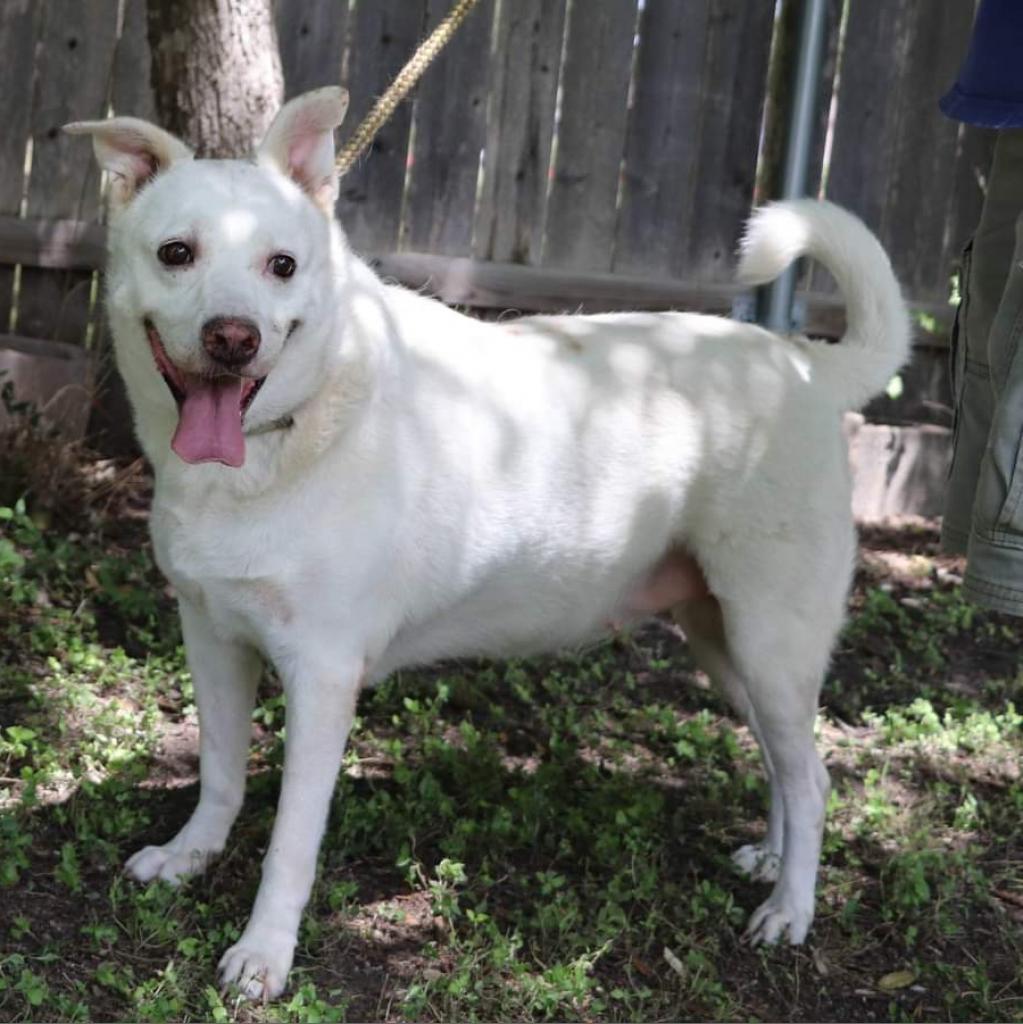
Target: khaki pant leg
994 572
985 273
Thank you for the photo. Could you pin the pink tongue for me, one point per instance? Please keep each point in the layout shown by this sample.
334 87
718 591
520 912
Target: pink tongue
210 422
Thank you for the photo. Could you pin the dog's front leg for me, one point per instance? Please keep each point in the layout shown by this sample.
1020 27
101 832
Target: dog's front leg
321 706
225 676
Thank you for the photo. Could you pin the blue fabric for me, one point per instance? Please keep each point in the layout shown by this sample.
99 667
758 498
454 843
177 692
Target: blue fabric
989 90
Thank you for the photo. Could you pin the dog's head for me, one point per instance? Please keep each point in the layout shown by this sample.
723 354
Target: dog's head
223 274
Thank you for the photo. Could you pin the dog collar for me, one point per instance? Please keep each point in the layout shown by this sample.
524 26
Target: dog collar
281 423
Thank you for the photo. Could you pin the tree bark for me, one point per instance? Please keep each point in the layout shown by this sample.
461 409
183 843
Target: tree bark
216 72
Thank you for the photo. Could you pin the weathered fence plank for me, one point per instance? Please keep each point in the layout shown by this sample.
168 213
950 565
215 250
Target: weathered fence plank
655 184
524 86
110 421
819 156
581 212
916 224
450 130
868 100
132 91
383 35
73 75
312 39
737 46
662 148
780 89
897 161
19 26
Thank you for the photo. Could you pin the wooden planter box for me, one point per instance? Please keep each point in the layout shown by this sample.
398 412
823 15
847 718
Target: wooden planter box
897 470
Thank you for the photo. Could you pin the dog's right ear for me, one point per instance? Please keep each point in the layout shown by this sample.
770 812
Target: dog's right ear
131 150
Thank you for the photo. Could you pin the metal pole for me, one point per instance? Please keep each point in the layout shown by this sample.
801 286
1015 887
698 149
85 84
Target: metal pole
774 302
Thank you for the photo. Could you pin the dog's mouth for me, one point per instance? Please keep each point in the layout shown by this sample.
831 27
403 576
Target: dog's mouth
211 408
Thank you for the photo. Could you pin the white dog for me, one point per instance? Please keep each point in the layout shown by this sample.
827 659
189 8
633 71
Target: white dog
351 477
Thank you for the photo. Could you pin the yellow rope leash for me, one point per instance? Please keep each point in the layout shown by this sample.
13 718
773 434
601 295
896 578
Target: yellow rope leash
402 85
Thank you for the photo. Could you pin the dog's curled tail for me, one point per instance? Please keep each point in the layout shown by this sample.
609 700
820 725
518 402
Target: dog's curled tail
876 342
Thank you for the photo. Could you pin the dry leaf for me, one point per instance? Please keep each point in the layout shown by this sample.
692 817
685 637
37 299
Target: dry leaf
896 980
674 963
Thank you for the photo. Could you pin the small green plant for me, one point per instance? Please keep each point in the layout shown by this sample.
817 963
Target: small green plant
67 871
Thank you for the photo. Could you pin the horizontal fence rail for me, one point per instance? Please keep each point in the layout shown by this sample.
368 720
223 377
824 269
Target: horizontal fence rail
480 284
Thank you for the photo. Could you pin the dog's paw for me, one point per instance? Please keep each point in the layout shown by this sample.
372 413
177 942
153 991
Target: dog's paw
169 862
777 917
258 965
757 862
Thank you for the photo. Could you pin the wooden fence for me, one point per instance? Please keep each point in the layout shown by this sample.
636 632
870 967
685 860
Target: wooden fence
559 154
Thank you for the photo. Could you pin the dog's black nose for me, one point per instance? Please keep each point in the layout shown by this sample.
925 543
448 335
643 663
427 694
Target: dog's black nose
231 341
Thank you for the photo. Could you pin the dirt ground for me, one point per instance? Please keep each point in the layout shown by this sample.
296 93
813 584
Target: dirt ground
542 840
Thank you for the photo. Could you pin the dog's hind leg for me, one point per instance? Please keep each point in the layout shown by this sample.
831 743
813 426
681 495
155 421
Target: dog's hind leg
781 652
703 625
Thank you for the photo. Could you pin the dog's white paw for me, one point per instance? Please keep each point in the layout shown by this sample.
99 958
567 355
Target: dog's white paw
758 862
775 918
169 862
258 964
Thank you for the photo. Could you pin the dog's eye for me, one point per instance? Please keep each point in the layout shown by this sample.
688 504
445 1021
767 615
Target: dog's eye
175 254
282 265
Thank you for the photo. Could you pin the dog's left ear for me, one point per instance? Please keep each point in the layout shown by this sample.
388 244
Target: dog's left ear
300 142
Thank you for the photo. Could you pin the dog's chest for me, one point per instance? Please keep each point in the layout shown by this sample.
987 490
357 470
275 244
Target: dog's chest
241 584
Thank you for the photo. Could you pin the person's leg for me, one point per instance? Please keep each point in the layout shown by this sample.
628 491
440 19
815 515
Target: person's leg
985 273
994 570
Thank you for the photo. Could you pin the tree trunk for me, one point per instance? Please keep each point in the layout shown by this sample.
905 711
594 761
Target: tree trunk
216 72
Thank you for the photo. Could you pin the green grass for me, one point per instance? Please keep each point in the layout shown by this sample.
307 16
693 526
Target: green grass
540 840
